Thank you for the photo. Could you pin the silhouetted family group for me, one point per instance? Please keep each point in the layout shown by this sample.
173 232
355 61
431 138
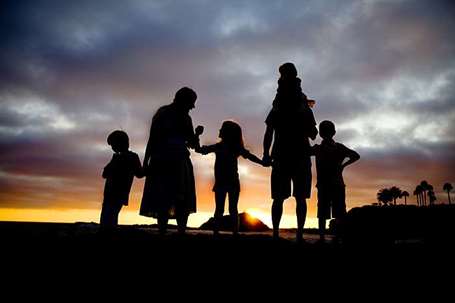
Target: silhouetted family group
169 190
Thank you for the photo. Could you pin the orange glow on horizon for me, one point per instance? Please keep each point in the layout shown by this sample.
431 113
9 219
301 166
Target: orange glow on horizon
129 217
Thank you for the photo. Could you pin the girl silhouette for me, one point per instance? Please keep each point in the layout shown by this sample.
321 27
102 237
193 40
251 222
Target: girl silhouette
226 171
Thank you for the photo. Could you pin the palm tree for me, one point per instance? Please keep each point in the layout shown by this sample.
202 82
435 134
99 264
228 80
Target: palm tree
431 196
395 192
420 189
448 188
417 193
424 185
404 194
430 190
384 196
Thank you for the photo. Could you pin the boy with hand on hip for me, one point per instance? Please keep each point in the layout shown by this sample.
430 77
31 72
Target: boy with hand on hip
330 156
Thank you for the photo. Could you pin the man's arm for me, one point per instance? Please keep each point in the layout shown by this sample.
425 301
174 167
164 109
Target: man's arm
268 137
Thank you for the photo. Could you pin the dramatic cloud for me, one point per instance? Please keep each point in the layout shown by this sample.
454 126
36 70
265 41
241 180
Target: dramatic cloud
383 71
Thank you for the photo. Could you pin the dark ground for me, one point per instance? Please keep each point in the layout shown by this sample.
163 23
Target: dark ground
49 254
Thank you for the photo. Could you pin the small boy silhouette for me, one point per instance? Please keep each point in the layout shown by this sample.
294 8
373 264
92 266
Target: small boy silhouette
119 174
329 167
227 180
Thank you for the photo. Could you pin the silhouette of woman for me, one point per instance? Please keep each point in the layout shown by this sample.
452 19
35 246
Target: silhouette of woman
169 190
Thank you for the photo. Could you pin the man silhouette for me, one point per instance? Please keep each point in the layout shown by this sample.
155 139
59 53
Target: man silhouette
290 124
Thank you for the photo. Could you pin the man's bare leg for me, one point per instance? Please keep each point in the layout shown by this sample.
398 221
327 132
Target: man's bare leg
300 210
277 212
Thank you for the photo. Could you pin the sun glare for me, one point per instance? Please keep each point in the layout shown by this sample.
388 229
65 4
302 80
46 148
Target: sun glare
256 214
243 170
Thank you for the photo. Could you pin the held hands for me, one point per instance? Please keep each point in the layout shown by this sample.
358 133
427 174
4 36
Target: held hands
266 160
199 130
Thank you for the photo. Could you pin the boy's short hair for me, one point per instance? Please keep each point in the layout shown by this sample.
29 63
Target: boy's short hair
118 139
327 129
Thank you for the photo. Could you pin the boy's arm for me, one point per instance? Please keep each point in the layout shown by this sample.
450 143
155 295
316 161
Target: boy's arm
352 156
107 171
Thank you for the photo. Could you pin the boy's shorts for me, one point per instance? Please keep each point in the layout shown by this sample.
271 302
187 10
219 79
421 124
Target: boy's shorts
331 202
297 171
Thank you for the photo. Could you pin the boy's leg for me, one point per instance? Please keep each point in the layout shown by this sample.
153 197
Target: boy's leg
339 210
104 215
220 198
325 197
233 211
107 216
115 213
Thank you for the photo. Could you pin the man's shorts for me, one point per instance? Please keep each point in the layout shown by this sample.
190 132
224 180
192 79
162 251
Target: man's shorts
331 202
297 171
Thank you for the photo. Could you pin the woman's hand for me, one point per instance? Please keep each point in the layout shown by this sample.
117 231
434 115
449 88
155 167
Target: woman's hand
199 130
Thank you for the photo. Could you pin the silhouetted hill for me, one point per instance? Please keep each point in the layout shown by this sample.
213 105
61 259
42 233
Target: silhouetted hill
246 223
388 224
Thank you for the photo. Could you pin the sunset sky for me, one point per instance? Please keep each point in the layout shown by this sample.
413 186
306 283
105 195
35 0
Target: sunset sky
73 71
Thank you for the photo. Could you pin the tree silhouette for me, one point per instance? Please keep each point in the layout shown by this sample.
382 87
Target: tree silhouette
417 192
448 188
404 194
431 196
395 192
424 185
384 196
430 190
